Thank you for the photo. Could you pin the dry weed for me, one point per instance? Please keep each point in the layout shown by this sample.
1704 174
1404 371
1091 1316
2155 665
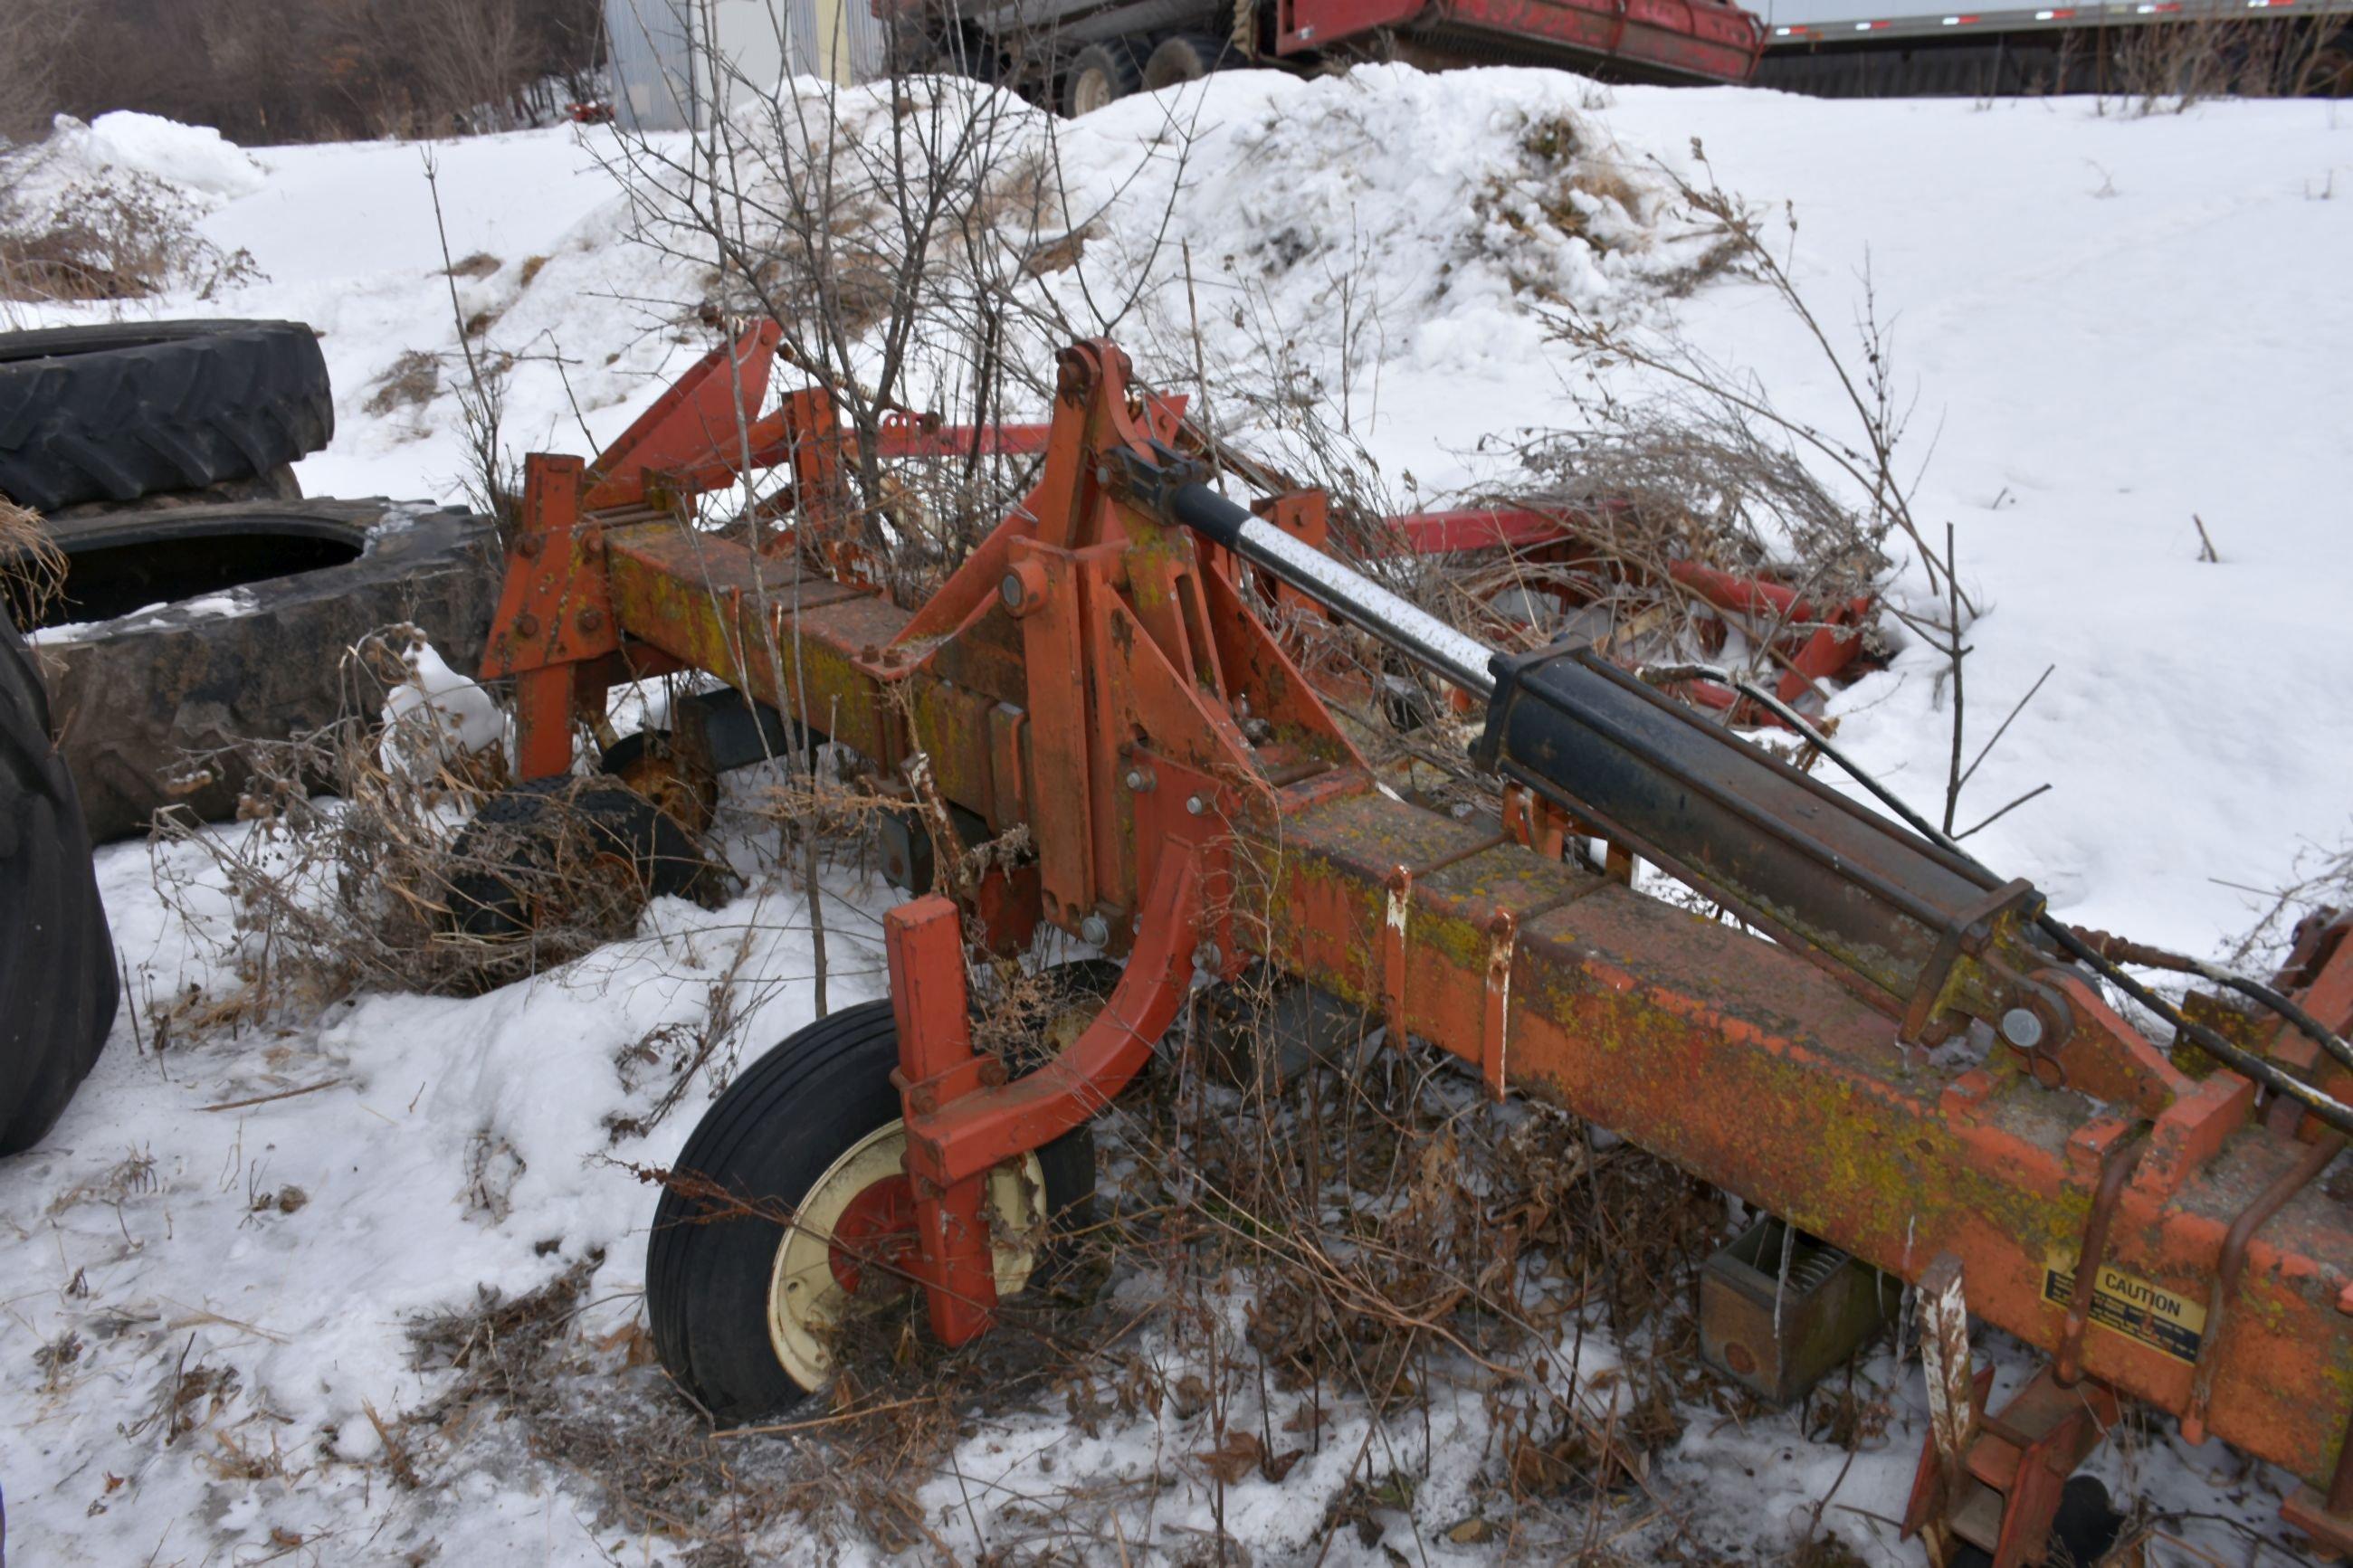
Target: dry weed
354 890
32 567
128 237
413 381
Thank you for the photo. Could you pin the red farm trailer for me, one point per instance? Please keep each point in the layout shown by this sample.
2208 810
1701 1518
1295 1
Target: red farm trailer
1079 54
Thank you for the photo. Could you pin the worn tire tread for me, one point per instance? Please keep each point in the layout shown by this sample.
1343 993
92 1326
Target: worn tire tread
115 412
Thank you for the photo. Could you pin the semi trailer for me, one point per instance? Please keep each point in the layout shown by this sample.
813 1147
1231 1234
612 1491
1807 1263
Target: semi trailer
1080 55
1879 48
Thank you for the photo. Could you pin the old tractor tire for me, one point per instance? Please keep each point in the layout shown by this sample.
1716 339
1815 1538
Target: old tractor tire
535 858
1099 75
770 1147
57 959
135 408
191 629
1183 57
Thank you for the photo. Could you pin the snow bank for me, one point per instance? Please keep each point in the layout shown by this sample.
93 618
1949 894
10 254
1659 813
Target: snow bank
194 163
1447 199
192 157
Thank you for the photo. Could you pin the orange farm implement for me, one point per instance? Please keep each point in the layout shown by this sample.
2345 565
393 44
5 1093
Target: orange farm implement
1921 1069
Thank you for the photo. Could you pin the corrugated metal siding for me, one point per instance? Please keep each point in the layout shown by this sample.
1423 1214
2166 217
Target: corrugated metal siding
663 83
648 43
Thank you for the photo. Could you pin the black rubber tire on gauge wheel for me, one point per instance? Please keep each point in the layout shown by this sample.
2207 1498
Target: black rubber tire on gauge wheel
57 959
1183 57
1099 75
135 408
767 1141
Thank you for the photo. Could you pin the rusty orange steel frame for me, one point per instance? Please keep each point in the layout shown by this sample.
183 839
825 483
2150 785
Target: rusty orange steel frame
1107 681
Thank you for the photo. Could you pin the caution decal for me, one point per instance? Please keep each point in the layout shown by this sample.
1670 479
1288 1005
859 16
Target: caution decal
2133 1307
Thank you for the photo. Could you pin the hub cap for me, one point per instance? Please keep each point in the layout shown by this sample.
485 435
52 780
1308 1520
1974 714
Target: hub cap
1092 92
855 1238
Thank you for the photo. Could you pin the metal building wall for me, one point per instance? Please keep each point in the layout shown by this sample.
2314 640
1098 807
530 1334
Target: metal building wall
662 80
648 44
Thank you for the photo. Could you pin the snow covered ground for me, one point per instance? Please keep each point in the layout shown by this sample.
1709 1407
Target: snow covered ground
2113 325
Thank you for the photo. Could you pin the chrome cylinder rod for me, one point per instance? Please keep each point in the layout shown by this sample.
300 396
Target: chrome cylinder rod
1349 594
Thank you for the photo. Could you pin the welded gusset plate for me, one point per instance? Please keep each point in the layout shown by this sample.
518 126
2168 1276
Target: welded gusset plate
1753 1069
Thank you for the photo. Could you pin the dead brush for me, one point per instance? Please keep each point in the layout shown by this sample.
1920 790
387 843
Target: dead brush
519 1370
1394 1241
122 237
32 567
1571 185
352 890
1652 488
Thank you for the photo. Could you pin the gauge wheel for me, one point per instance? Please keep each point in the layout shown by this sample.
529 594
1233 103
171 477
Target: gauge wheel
790 1215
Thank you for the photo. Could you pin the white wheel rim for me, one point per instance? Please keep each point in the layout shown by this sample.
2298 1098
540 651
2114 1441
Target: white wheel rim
806 1304
1094 91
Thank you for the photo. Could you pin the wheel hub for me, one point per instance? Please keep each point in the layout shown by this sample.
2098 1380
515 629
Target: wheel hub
874 1240
853 1242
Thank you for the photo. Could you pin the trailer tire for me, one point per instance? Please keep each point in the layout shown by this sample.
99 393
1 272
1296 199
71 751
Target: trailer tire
536 845
766 1147
2329 73
57 959
1183 57
135 408
1099 75
259 602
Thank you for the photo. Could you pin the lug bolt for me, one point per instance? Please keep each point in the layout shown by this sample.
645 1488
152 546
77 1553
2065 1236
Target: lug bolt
590 618
924 1101
992 1074
1194 805
526 624
2022 1028
1139 780
1010 590
1093 932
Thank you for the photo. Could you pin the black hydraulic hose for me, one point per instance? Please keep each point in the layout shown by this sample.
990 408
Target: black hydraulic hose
2260 1069
2263 1071
2253 990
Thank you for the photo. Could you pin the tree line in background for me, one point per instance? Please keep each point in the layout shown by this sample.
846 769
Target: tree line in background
266 71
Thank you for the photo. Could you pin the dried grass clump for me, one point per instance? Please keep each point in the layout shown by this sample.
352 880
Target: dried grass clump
32 567
413 381
127 237
1569 190
522 1373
